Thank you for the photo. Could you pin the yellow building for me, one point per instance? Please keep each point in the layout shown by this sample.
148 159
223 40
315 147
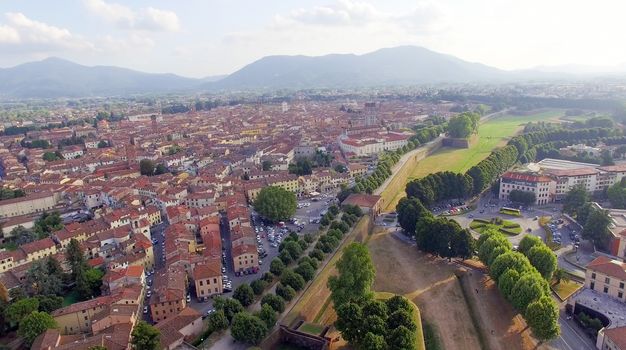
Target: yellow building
245 257
208 279
607 276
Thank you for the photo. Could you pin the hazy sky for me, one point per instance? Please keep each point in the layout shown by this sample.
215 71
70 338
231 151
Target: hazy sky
207 37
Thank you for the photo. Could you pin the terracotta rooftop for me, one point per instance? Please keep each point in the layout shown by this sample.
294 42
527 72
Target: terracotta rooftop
609 267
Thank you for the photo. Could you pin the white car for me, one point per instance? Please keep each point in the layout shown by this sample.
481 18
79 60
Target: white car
188 298
145 309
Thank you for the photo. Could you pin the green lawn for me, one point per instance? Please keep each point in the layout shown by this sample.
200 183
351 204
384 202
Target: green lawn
508 227
492 134
566 288
311 328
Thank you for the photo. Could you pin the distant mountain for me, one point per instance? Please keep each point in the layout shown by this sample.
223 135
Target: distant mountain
392 66
55 77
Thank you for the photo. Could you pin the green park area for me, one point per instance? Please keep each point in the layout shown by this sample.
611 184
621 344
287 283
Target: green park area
565 288
493 133
504 226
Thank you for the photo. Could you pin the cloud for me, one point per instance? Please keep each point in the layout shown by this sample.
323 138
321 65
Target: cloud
426 16
23 34
145 19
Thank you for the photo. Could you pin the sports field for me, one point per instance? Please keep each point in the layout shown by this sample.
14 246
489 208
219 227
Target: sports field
493 133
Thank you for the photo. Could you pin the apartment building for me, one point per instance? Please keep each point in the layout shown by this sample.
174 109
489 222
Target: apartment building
607 276
542 186
169 295
207 279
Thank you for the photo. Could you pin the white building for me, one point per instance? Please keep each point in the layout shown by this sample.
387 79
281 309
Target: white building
371 145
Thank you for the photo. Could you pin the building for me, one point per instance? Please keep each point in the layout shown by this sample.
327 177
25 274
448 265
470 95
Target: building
32 203
367 202
169 295
607 276
207 278
543 187
185 326
617 228
245 258
369 145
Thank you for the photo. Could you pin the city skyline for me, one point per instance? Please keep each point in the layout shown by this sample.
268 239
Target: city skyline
199 39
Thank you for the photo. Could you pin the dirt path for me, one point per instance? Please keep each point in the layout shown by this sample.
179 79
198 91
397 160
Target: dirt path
429 282
495 313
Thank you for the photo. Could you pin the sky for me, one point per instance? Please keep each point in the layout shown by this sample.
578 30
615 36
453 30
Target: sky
199 38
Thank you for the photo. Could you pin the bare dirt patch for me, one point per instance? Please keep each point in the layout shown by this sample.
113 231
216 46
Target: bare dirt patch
433 285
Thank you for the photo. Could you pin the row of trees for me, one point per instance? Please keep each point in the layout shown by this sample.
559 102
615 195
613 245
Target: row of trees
7 193
435 235
520 282
365 322
293 270
440 186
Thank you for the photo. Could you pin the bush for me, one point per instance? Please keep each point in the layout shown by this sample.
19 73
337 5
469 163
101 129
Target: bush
258 286
274 301
309 238
285 292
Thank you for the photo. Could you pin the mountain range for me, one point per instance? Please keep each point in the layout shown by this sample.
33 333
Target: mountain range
404 65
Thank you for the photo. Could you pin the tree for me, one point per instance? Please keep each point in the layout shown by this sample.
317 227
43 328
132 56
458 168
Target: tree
146 167
277 266
542 316
94 280
596 228
285 292
290 278
218 321
32 325
44 277
48 223
20 309
460 126
302 166
293 248
398 302
560 275
544 260
50 156
528 288
248 328
244 294
103 144
575 199
145 337
305 270
401 318
268 315
410 210
507 282
228 305
401 338
506 261
275 203
49 303
527 243
266 165
617 194
355 276
276 302
258 286
373 341
350 321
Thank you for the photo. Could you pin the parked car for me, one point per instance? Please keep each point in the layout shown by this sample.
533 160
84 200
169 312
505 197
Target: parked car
145 309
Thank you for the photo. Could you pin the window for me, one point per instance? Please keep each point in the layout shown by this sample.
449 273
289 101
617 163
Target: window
621 285
607 280
620 295
201 282
592 285
606 289
593 276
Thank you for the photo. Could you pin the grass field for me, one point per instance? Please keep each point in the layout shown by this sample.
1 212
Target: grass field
311 328
566 288
493 133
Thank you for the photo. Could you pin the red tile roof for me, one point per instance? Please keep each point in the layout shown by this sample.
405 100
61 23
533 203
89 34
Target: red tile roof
609 267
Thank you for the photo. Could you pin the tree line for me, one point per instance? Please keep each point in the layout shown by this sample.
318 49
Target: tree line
446 185
523 278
